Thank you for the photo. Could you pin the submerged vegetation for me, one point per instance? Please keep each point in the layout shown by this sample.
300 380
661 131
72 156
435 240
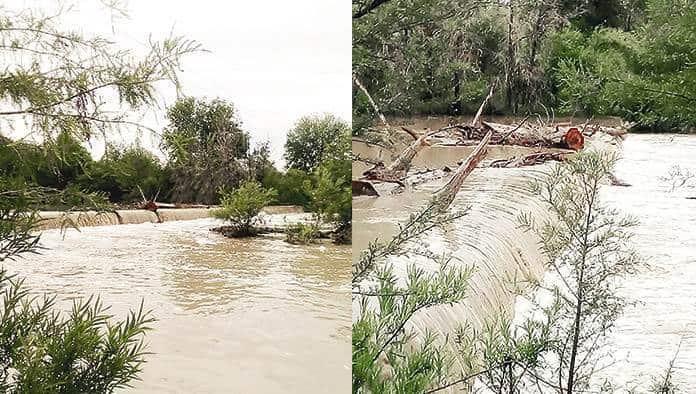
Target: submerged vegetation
632 59
242 206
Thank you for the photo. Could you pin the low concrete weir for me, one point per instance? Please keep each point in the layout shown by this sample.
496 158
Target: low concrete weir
172 214
488 238
129 216
56 219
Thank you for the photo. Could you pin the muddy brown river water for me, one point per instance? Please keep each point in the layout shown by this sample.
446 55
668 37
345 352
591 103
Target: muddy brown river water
663 310
233 316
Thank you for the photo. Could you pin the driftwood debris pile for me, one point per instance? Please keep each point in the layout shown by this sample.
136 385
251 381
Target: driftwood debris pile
554 142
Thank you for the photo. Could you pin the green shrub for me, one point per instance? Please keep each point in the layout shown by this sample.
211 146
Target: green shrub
242 206
290 186
331 198
43 351
301 233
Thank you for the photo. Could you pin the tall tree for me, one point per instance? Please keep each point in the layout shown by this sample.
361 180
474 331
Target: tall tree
208 149
316 139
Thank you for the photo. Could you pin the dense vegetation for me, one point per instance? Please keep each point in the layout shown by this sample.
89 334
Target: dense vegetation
206 151
630 58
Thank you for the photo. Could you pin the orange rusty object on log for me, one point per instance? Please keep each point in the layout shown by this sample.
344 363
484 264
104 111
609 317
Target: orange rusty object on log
150 206
574 139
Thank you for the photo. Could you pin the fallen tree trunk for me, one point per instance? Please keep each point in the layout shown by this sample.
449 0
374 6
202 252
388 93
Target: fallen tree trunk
520 136
397 170
445 195
530 159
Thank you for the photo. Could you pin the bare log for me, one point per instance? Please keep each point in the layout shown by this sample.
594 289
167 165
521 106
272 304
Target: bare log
505 135
445 195
397 170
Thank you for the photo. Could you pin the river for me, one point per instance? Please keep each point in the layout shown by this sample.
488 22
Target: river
233 315
648 335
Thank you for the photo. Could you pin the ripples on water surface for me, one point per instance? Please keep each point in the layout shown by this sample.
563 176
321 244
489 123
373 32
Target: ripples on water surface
242 315
647 336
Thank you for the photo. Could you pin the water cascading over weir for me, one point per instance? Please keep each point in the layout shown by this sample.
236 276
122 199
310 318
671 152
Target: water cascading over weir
488 237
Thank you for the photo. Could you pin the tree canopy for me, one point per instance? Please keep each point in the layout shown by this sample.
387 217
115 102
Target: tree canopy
632 59
316 139
209 150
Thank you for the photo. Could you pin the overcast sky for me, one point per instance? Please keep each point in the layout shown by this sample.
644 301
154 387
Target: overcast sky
275 60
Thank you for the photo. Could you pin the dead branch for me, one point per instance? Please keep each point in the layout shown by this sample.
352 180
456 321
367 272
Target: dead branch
369 98
410 132
477 119
397 170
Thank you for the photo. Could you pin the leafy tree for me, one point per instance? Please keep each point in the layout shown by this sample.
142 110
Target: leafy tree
561 342
242 206
331 197
290 185
315 139
208 150
62 80
55 164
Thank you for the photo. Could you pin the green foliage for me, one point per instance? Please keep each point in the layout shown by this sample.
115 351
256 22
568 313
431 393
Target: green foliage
316 139
65 87
42 350
16 218
290 185
301 233
633 59
64 164
61 80
123 174
54 164
87 351
562 338
331 198
646 76
208 150
385 360
242 206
